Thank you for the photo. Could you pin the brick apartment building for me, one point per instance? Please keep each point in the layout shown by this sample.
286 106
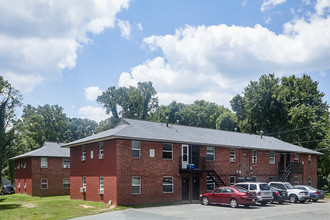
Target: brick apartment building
43 172
145 162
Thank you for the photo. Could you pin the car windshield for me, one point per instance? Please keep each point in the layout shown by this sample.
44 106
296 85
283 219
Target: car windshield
264 187
288 186
239 189
312 188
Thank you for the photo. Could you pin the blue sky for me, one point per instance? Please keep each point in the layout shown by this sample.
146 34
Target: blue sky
68 52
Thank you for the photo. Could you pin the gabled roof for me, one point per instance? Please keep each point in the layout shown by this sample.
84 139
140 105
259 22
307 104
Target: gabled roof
153 131
49 149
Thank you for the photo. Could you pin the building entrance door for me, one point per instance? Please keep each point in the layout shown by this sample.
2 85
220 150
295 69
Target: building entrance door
195 188
185 188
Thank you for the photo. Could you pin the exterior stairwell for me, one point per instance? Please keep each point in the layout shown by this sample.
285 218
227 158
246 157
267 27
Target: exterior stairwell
286 174
216 178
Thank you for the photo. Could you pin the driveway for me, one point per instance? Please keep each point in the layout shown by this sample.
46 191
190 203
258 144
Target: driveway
319 210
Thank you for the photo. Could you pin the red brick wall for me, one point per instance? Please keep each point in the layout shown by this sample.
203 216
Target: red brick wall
23 174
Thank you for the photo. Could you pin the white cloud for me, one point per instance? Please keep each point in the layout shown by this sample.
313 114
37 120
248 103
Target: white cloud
94 113
140 26
323 73
125 28
92 93
268 4
215 62
322 7
244 3
267 20
39 39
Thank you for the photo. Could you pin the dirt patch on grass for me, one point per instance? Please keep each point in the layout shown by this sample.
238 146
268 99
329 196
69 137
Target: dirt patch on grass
29 205
86 206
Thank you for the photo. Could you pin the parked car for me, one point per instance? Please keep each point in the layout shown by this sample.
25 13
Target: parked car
280 195
234 196
262 190
293 193
7 189
315 194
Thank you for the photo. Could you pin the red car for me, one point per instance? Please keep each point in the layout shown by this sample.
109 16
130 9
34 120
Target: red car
233 196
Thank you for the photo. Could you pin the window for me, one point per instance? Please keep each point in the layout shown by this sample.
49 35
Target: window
167 151
271 157
309 180
296 180
18 166
232 180
44 183
309 159
66 162
232 155
254 179
24 165
92 154
136 185
210 185
253 186
210 153
101 182
44 162
167 184
271 178
101 146
84 181
136 149
66 183
152 152
25 184
296 157
254 156
83 153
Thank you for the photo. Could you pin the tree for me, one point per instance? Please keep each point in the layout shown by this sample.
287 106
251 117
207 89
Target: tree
227 121
134 102
10 99
78 128
106 124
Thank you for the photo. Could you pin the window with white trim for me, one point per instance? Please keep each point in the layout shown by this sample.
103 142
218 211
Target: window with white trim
232 180
66 162
167 184
66 183
18 166
44 163
210 185
254 179
83 151
271 157
296 180
309 180
167 151
232 155
254 156
296 157
101 149
309 159
210 153
136 185
136 149
101 182
44 183
84 181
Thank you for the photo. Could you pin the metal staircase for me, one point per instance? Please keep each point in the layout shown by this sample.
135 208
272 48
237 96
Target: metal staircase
216 178
286 174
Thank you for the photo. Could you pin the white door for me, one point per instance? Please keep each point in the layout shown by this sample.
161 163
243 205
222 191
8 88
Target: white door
184 156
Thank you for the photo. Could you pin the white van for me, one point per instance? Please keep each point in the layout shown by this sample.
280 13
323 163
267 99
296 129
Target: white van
262 190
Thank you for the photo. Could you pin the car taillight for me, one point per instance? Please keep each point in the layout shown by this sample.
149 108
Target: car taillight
316 192
277 194
259 193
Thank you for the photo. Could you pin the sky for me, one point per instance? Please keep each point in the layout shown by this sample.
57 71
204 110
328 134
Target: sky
67 52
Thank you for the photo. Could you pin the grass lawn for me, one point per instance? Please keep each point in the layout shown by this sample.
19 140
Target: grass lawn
327 195
18 206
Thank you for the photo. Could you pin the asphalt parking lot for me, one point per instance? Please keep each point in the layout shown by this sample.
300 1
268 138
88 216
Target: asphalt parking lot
308 210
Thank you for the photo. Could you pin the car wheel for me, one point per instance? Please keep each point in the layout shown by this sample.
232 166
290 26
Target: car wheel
293 198
233 203
271 201
263 203
205 200
247 205
302 201
315 200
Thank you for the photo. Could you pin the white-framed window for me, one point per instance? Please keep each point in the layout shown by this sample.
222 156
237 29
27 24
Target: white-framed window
309 159
254 156
271 178
232 180
66 162
44 183
101 150
152 152
296 157
296 180
167 184
210 153
168 151
136 185
101 182
271 157
44 163
210 185
18 166
136 148
25 183
309 180
254 179
92 154
66 183
83 151
232 155
84 181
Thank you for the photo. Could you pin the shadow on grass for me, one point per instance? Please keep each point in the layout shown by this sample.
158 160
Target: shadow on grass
2 199
9 206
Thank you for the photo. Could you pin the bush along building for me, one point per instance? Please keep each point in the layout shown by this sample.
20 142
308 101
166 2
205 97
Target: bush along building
43 172
146 162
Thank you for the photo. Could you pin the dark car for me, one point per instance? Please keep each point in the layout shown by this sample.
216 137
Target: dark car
279 194
234 196
8 189
315 194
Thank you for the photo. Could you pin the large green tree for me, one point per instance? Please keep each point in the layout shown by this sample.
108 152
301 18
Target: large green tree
10 98
78 128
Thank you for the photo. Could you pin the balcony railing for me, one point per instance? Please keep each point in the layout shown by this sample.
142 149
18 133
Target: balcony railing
196 163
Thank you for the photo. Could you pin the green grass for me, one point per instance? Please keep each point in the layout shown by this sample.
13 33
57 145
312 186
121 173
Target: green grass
18 206
327 195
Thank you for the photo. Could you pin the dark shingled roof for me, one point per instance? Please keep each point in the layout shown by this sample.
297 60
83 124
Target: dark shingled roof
153 131
49 149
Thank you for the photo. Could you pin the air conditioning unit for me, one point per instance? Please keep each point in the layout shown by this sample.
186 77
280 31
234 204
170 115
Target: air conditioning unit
101 156
101 191
82 189
66 166
232 159
83 158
